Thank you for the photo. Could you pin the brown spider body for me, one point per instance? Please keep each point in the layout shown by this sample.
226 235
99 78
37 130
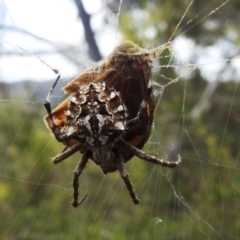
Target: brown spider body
108 115
127 78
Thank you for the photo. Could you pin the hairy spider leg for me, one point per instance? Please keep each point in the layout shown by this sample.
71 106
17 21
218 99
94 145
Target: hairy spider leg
142 106
67 152
125 176
143 103
137 152
47 105
76 174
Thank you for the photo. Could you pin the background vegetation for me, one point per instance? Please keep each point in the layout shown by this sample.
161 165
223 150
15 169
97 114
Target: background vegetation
196 117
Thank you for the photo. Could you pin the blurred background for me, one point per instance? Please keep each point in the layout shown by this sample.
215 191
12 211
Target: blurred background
198 117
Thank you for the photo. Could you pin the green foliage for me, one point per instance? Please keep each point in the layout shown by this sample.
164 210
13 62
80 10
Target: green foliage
192 200
162 17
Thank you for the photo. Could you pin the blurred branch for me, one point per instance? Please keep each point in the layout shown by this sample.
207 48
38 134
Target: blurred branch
23 31
36 53
205 101
94 52
67 51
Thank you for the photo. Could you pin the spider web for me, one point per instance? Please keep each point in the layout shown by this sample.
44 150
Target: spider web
199 199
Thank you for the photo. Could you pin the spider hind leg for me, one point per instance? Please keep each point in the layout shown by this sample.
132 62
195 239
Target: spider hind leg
125 176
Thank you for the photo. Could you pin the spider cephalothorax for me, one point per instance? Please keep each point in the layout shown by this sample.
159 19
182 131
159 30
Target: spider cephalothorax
109 113
96 116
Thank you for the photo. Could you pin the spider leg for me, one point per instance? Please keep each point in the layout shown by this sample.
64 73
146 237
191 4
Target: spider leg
47 105
142 106
137 152
76 174
125 176
67 152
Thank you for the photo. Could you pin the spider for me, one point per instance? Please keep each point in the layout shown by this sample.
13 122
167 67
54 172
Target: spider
108 114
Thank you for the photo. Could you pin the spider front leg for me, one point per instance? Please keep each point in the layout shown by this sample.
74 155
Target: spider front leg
124 174
47 105
67 152
76 174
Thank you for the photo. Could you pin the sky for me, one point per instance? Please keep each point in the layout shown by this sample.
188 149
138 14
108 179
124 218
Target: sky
56 21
